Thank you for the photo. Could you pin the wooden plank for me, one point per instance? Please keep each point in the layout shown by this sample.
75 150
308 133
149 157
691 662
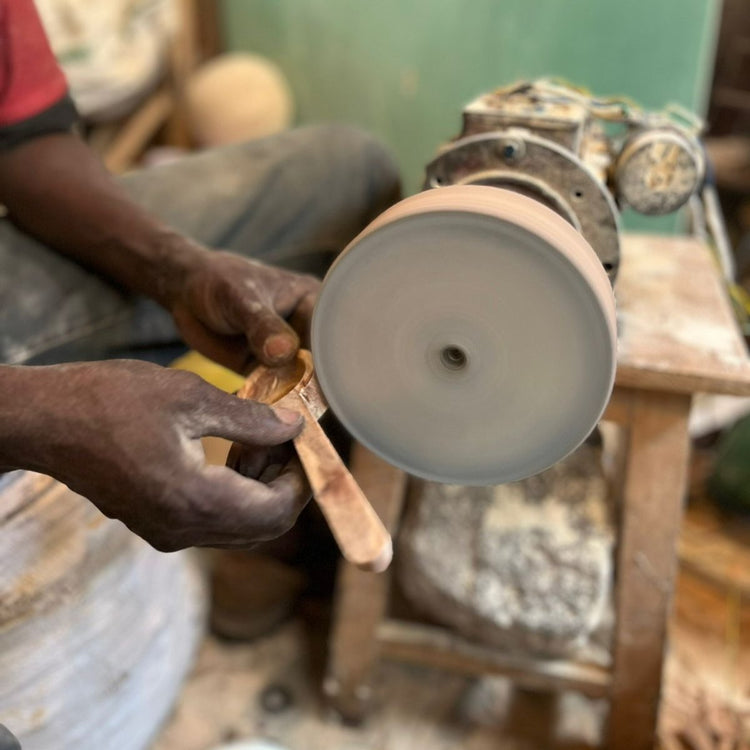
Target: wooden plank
184 57
440 648
361 597
652 506
208 29
166 106
735 383
137 131
677 329
618 408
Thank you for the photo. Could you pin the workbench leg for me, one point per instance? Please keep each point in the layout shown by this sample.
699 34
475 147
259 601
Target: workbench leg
651 510
361 598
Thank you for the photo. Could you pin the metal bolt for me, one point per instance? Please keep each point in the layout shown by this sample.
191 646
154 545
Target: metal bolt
512 150
453 358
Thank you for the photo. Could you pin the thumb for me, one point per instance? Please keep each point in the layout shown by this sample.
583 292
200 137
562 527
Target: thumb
270 338
301 318
248 422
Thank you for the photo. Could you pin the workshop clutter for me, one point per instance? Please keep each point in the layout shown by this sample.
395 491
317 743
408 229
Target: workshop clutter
113 53
97 629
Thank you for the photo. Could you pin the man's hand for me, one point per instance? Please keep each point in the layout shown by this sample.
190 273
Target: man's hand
227 307
232 309
126 435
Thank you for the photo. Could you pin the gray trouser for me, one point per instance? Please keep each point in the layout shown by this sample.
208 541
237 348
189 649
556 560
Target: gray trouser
292 200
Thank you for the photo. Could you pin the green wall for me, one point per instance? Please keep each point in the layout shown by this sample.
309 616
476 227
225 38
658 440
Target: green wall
404 69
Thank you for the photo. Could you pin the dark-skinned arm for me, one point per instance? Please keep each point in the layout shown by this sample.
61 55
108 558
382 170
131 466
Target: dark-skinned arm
127 434
58 191
226 306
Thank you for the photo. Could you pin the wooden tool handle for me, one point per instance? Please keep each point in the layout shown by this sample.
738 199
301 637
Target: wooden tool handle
360 534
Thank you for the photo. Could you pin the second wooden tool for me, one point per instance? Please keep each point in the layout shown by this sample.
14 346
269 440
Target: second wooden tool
358 531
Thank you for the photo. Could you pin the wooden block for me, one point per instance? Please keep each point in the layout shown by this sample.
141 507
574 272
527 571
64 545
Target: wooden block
437 647
677 331
652 507
361 597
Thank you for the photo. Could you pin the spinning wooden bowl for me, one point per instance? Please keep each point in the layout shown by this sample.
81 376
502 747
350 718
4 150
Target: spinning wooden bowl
467 335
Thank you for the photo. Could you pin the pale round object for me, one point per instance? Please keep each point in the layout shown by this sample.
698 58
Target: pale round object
237 97
467 335
658 170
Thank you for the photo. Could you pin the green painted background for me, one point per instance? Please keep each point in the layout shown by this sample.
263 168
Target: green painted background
404 68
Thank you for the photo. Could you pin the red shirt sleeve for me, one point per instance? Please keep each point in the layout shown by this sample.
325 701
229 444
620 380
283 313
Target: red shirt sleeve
30 78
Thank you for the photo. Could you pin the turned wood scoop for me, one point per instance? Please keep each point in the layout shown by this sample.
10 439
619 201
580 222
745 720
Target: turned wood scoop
360 534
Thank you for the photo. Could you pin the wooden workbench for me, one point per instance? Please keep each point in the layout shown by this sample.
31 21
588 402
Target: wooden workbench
677 336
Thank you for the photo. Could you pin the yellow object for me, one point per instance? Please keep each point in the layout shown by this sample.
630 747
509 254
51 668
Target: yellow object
216 449
218 376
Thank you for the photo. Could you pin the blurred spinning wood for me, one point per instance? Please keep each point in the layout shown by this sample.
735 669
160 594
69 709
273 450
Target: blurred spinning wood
467 335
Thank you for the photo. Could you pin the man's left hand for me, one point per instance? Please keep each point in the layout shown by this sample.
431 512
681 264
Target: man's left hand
232 309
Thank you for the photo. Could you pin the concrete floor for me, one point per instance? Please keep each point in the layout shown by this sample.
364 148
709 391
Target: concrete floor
414 707
707 679
426 709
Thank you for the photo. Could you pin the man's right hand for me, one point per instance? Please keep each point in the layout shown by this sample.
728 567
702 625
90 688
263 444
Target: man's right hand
126 435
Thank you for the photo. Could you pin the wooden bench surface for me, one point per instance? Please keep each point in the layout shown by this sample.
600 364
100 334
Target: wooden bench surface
677 331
